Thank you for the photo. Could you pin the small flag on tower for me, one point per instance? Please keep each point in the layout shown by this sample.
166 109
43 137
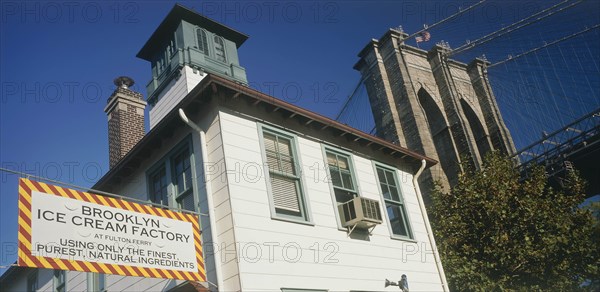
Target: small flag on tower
423 37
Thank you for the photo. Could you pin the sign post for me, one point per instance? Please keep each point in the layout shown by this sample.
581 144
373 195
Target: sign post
65 229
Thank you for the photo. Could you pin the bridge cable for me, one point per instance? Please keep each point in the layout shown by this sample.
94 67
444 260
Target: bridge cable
511 28
460 12
349 98
510 58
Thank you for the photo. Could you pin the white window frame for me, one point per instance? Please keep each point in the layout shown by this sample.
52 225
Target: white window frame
324 150
399 186
303 196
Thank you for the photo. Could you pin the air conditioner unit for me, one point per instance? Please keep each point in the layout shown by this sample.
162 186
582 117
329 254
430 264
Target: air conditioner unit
360 213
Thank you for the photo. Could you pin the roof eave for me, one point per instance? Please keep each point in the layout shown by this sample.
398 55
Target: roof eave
210 81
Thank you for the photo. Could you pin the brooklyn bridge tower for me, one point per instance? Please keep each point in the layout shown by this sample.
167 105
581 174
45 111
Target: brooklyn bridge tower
440 107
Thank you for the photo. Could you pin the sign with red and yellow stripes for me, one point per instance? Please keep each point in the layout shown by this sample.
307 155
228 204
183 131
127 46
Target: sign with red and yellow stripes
65 229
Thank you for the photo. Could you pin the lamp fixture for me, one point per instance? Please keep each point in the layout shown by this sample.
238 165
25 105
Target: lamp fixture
402 284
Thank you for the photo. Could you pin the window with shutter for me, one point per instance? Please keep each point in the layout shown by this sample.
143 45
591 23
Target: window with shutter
285 185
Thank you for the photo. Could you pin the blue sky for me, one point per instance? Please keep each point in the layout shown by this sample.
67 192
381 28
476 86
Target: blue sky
58 60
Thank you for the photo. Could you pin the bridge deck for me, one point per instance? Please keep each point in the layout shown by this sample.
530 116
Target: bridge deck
575 145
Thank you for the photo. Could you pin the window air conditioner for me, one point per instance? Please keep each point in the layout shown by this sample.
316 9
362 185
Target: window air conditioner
360 213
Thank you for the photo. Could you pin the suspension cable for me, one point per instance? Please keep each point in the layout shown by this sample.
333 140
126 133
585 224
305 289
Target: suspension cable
544 46
513 27
337 118
460 12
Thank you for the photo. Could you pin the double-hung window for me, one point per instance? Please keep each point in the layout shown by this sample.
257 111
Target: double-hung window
284 176
172 178
394 204
96 282
60 281
32 282
182 180
159 192
341 176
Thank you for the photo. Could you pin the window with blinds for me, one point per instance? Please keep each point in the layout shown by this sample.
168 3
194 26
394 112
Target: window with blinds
286 190
394 203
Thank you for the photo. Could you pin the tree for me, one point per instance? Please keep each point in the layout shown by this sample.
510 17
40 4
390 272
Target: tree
498 233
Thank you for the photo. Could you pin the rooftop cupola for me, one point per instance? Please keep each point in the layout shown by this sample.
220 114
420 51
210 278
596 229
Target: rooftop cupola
185 46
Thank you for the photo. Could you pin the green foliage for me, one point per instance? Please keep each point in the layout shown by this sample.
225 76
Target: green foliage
496 233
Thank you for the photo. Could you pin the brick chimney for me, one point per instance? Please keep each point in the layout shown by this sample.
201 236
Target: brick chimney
125 111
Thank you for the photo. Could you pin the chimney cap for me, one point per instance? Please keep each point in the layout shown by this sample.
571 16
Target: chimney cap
123 81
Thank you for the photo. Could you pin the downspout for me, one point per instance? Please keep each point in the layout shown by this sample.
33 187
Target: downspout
207 189
436 255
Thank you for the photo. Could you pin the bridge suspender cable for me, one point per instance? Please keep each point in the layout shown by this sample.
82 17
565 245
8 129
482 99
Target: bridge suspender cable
544 46
337 118
515 26
460 12
426 27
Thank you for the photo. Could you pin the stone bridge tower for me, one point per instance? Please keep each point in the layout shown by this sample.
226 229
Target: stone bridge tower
426 102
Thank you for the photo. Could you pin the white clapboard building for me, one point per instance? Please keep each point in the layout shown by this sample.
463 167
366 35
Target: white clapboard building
289 200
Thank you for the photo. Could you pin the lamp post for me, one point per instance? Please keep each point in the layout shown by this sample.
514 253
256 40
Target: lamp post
402 284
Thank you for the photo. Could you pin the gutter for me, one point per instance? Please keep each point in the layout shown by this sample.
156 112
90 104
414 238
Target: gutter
436 255
207 189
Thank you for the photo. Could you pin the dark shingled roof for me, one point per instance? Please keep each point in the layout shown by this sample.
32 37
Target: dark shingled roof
172 20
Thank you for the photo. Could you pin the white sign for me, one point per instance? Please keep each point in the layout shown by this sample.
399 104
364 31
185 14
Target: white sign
71 229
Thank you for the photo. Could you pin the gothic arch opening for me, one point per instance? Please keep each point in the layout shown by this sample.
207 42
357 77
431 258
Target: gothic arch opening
440 135
480 137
